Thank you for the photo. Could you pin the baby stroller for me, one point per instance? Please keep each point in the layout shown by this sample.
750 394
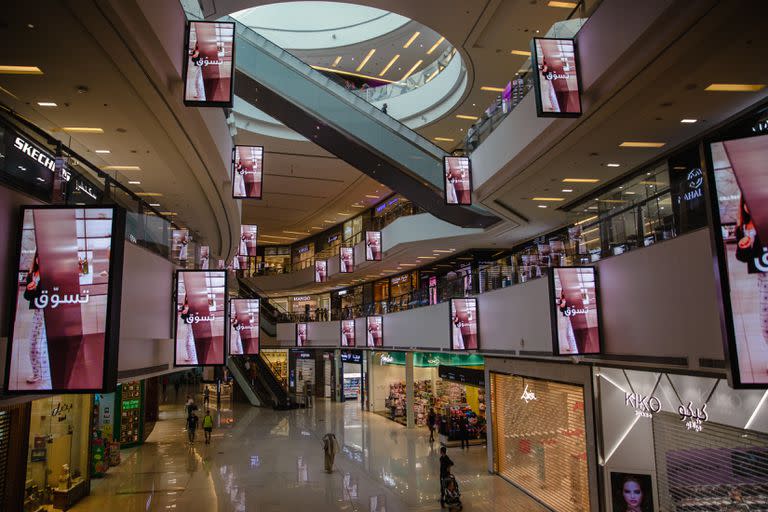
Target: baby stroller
451 494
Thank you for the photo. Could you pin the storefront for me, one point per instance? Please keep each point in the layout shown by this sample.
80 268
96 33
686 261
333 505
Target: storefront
276 260
353 371
14 440
400 288
302 256
58 467
682 442
301 371
353 231
449 398
542 431
277 359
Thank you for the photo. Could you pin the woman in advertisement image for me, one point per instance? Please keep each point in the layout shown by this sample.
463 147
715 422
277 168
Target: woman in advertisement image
452 176
183 248
195 86
190 354
239 179
567 338
236 342
243 251
548 96
458 338
37 339
631 493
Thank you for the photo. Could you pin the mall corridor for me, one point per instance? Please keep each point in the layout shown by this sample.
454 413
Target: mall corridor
265 460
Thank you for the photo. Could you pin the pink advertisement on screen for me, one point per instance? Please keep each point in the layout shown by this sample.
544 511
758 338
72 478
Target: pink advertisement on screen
247 172
557 77
200 312
373 246
464 324
458 180
576 311
374 331
59 336
346 260
321 271
301 335
244 326
348 333
249 236
209 64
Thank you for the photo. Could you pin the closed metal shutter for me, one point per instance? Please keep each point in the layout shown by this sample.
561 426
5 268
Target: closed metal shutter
5 437
699 471
539 439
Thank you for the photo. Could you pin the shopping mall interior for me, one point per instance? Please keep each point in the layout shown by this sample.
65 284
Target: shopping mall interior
384 255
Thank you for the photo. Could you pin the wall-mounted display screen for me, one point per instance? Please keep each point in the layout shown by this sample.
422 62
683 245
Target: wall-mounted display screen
373 246
65 317
348 333
458 180
249 236
301 334
556 80
321 271
209 64
180 240
346 260
464 324
205 255
632 491
576 311
741 233
200 312
243 326
374 326
247 172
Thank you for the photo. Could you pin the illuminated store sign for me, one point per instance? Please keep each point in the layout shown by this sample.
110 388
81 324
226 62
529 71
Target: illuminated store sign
692 417
528 395
644 405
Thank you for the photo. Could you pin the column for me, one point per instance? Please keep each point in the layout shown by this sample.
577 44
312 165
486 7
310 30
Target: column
409 391
337 376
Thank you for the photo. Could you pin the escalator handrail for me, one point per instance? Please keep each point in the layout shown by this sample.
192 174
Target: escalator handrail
258 392
281 396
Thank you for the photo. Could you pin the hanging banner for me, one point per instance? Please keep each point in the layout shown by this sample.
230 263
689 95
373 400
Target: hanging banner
247 172
556 80
209 64
200 310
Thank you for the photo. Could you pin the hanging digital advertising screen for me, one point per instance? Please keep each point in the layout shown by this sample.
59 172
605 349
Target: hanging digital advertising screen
374 331
348 333
464 332
346 260
180 240
373 246
243 326
575 311
200 314
556 77
205 257
249 236
321 271
458 180
247 172
66 314
208 69
738 178
301 334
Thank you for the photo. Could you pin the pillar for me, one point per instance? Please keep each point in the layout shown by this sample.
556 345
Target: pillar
409 391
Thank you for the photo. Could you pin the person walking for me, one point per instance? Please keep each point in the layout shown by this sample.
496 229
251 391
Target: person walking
207 426
330 448
192 421
445 472
176 386
206 397
464 432
431 419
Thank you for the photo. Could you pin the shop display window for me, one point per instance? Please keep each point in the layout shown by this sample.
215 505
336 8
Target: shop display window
58 464
278 362
539 439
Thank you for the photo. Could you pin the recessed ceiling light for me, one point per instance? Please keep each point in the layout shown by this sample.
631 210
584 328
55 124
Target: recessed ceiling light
443 139
410 71
567 190
491 89
82 129
389 65
343 214
426 257
168 214
629 192
444 250
434 46
408 264
315 227
542 206
524 53
580 180
411 40
134 183
154 205
295 232
470 118
554 199
121 168
565 5
613 165
735 87
366 59
336 61
47 104
371 196
149 194
102 151
329 221
634 144
357 206
688 121
20 70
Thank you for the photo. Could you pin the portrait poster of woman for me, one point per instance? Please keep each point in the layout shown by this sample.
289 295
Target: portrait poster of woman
346 260
556 78
247 172
347 333
200 314
374 331
209 64
244 326
373 246
249 236
576 311
458 180
632 492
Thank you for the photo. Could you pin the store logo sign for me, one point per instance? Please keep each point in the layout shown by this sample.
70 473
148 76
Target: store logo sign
693 418
528 395
34 153
695 180
644 405
386 359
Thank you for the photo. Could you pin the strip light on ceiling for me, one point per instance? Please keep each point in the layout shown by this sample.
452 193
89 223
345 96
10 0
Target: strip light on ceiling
121 168
20 70
580 180
82 129
488 88
411 40
47 104
336 61
564 5
735 87
636 144
523 53
469 118
410 71
432 75
443 139
434 46
366 59
386 68
349 73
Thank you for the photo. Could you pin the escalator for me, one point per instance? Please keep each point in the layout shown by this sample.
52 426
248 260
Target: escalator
254 391
314 105
267 377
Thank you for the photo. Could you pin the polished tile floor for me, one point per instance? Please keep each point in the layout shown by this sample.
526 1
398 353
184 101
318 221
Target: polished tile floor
265 460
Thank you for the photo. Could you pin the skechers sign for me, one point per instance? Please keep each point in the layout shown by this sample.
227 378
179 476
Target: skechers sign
24 165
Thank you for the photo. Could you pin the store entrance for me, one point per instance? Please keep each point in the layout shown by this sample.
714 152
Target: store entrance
352 375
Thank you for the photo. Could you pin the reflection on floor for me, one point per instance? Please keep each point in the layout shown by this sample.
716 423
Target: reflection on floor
265 460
